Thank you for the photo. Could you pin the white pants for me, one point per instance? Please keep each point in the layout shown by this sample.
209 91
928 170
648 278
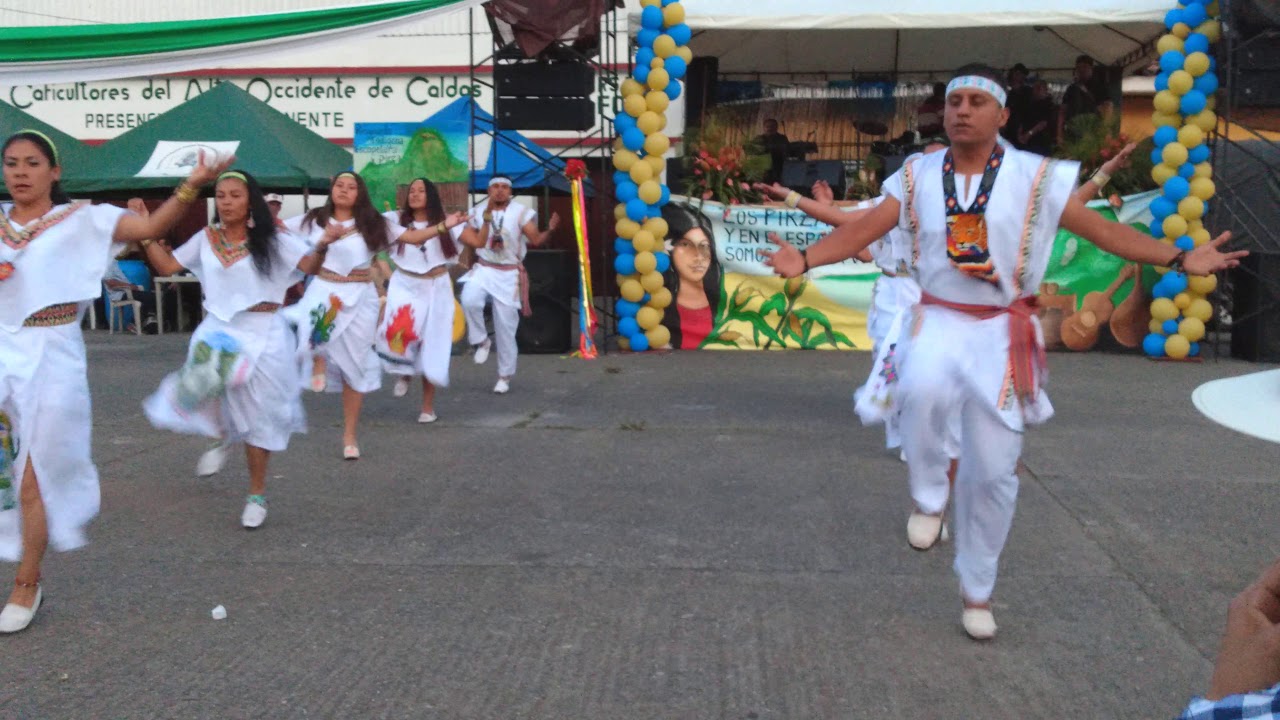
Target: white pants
932 394
506 318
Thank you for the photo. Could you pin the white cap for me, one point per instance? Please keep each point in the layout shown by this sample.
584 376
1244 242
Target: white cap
275 197
1248 404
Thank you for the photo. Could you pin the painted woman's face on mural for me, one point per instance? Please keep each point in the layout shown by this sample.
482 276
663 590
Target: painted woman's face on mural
691 257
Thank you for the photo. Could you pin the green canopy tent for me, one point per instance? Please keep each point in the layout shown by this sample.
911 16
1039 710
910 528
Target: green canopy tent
74 155
280 153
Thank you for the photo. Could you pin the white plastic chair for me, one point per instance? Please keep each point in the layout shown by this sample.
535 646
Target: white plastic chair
118 306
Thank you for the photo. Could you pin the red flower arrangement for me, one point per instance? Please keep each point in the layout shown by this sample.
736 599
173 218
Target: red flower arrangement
575 169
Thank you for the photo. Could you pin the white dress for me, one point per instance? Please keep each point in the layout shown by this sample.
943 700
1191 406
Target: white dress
416 333
338 320
240 380
44 388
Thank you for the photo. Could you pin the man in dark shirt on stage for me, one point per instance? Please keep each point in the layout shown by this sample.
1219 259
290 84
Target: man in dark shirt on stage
774 144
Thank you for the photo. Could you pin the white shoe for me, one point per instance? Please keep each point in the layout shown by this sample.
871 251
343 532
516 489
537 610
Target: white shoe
351 452
15 617
211 462
401 387
255 512
502 387
425 418
482 352
924 531
318 383
979 623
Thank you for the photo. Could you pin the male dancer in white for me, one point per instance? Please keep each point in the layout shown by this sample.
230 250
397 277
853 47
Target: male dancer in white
980 246
497 228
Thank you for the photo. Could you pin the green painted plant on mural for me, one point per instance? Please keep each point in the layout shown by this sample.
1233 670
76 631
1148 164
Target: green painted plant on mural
777 320
425 155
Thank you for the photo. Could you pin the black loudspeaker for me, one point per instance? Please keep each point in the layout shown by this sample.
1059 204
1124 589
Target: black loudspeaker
1255 329
552 287
544 113
701 80
1258 84
573 80
675 175
800 175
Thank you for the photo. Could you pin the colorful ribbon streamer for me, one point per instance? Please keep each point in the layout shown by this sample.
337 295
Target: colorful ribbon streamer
575 170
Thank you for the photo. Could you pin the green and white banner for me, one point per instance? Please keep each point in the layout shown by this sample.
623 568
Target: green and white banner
84 53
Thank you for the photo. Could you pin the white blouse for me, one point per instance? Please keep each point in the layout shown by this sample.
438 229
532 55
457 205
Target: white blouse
229 277
347 254
421 258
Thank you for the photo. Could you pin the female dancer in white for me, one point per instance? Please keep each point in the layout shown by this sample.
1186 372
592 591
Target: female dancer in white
240 381
415 336
53 255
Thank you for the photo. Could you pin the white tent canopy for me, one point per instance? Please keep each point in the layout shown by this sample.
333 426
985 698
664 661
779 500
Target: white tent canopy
917 37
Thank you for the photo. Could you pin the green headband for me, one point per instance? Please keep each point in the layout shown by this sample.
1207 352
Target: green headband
235 175
46 138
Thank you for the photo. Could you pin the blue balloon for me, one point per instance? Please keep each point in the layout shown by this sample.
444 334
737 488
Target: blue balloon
668 2
644 56
1156 156
1155 231
646 36
633 139
1169 327
1176 188
673 90
645 300
1194 14
1160 290
1163 136
666 195
1206 83
1195 42
1153 345
626 191
1193 102
1213 64
1162 81
1185 243
628 326
1173 17
622 122
636 209
626 308
681 33
639 343
651 18
654 211
1162 207
1172 61
1187 170
664 261
622 245
1195 349
625 263
676 67
641 73
620 177
1198 154
1176 281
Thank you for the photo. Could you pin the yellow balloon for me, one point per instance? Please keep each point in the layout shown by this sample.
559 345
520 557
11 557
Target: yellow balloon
657 144
1160 119
1194 226
1182 300
641 172
1181 82
656 63
647 263
1155 326
624 279
651 192
617 144
634 105
648 318
664 47
1181 30
1211 102
1202 284
1190 136
651 122
1199 237
657 226
1197 63
1161 309
1167 241
1211 29
1206 120
658 102
624 344
658 163
627 228
659 337
1191 328
1176 347
659 79
624 159
1159 173
684 53
632 291
644 241
1203 170
660 299
651 281
619 211
1168 43
1166 102
672 14
1160 270
1191 208
459 322
1174 226
1174 154
1199 309
631 86
650 3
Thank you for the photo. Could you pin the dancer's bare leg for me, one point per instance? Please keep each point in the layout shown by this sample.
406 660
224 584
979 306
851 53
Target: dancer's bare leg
428 397
352 400
257 459
35 539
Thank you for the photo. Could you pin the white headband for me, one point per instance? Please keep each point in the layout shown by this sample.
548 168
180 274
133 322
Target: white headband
500 181
977 82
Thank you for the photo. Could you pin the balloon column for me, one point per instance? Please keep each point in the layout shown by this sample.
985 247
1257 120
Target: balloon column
1184 116
662 60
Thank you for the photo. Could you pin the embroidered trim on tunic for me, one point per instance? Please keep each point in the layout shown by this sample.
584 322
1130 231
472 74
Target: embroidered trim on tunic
54 315
968 240
19 239
229 253
1029 223
913 220
359 275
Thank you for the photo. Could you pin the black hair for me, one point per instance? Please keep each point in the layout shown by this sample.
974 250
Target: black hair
981 70
370 223
261 230
939 88
435 214
681 219
1084 59
56 193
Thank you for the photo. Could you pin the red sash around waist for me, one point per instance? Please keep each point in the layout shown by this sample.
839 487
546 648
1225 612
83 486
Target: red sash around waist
1026 351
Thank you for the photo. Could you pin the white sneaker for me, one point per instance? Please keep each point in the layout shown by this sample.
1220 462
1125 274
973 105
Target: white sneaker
979 623
924 531
211 462
482 352
502 387
401 387
425 418
255 512
15 617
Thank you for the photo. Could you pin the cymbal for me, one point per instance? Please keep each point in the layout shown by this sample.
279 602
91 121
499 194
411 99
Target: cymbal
871 127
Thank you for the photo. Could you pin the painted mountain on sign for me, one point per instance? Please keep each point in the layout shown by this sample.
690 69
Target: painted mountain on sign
426 153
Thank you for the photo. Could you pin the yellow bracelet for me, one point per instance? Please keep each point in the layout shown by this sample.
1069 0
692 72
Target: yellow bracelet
186 193
441 229
146 244
793 200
